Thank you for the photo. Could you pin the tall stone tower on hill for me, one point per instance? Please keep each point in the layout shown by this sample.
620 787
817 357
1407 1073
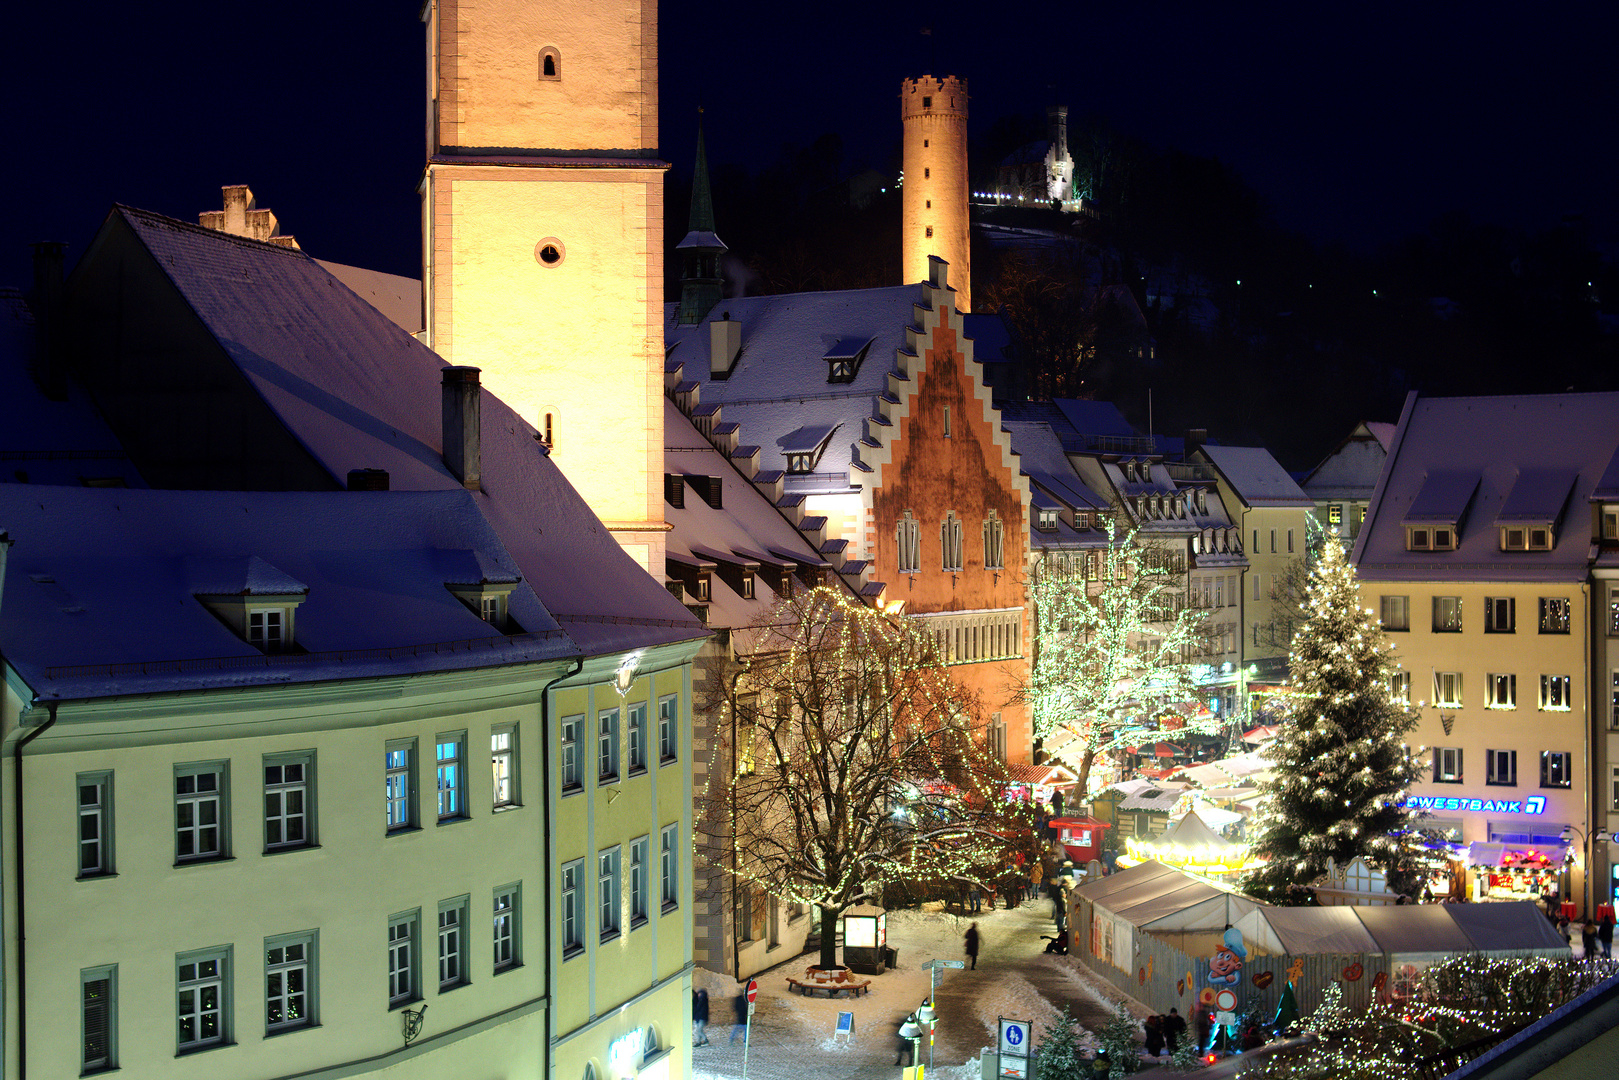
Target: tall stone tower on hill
934 204
543 234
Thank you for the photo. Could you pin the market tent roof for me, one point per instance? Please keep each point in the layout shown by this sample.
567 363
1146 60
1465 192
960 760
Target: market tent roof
1414 928
1104 889
1304 931
1515 925
1154 798
1215 818
1193 831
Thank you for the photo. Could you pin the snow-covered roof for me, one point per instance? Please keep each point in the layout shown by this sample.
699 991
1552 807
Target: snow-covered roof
1352 469
779 383
360 393
1157 799
42 440
399 298
1491 455
1257 476
1040 453
746 530
106 591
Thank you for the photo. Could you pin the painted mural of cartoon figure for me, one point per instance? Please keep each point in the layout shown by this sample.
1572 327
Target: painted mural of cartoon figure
1225 969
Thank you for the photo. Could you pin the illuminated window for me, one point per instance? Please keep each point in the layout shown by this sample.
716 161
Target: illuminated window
451 754
399 784
1554 693
1447 688
202 982
1554 615
1400 686
503 765
1556 769
1501 691
1396 613
1447 765
1447 614
1501 767
1335 515
1500 615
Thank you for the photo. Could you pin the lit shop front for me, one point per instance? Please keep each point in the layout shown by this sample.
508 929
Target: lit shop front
1523 857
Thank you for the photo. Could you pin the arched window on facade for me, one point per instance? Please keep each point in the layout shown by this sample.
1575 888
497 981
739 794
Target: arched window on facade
908 543
994 535
550 64
950 540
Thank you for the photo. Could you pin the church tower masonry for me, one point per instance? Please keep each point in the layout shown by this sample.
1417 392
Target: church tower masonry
934 204
542 210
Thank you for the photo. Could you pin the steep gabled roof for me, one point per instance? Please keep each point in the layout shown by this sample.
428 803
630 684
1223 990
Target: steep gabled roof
1258 478
359 393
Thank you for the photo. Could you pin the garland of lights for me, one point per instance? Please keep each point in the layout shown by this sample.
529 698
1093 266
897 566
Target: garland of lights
1343 767
854 761
1108 653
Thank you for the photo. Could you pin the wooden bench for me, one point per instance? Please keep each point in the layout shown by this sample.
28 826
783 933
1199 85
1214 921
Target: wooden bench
832 983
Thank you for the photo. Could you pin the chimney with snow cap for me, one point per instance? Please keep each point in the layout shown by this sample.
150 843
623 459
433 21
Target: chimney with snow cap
724 343
461 398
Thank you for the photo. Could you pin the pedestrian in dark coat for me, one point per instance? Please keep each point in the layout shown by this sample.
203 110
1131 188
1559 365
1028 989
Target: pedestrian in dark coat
699 1017
975 897
740 1003
971 941
1205 1029
1588 937
1174 1029
1155 1035
1605 935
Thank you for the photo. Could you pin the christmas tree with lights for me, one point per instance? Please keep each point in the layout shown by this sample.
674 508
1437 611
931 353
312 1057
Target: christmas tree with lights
1342 766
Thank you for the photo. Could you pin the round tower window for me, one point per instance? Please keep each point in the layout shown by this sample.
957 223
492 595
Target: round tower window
550 252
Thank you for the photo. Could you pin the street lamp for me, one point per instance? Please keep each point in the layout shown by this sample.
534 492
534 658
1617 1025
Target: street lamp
911 1030
1585 847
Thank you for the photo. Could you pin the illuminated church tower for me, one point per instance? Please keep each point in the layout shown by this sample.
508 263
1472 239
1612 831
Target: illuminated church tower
934 206
543 234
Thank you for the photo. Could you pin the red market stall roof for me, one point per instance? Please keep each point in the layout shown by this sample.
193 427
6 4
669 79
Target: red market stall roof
1040 775
1260 734
1164 749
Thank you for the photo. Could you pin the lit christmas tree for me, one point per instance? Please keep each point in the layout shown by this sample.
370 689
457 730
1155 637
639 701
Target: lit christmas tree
1111 649
1342 766
1060 1056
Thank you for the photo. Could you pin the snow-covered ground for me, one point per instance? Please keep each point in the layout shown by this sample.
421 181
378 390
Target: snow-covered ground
792 1036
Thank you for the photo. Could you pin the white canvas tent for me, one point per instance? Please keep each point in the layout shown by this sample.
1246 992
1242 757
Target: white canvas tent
1159 900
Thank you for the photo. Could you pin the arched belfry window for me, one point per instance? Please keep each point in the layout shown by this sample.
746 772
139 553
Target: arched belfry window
550 63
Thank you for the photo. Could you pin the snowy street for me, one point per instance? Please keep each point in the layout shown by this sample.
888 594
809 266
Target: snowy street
793 1036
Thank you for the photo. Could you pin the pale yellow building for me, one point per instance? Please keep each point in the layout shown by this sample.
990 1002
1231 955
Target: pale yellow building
1484 553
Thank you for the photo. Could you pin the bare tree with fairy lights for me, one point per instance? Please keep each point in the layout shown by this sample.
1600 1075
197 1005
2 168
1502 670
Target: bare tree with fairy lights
1342 765
855 764
1114 641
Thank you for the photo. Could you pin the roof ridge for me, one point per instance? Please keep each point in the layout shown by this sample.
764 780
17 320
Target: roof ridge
154 218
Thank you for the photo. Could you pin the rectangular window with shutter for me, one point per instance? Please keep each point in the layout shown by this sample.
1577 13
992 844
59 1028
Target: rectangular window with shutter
95 824
98 997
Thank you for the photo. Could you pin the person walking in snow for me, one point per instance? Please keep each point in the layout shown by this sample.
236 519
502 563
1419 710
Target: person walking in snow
971 941
1605 935
975 897
699 1017
1588 938
740 1003
1174 1029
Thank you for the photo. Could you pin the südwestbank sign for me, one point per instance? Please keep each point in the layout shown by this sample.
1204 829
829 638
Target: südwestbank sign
1535 804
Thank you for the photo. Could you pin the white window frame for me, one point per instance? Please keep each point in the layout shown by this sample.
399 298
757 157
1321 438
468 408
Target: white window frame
571 731
669 866
1556 761
269 629
1555 610
1396 613
908 543
635 725
98 1019
1447 614
95 823
609 892
1400 686
289 802
570 908
450 773
607 762
503 762
1447 765
452 943
195 974
1500 615
507 927
1500 691
639 885
1555 693
289 959
192 798
1501 768
404 958
668 728
1450 681
401 811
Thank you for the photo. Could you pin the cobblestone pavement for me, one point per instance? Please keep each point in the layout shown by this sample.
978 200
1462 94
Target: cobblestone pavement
791 1038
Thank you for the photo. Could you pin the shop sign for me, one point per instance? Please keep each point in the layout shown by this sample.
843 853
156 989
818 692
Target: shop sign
1535 804
626 1050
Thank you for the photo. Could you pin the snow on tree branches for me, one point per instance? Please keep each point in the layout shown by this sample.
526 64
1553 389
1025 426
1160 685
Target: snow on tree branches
855 765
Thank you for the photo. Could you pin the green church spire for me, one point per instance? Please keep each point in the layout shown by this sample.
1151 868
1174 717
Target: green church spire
701 282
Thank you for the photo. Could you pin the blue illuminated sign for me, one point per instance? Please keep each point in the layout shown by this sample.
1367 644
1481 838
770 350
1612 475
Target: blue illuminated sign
1535 804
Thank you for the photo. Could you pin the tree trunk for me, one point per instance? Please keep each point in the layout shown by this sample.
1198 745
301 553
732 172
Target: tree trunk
829 936
1083 784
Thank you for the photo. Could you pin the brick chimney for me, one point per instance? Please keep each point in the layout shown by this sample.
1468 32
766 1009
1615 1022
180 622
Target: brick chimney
240 218
462 428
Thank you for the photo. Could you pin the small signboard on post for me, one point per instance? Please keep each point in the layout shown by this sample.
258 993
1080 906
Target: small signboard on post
1013 1051
845 1028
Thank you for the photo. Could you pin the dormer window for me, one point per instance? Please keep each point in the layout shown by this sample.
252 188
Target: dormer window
705 588
1610 523
1526 538
747 586
1423 538
488 600
268 628
802 447
1046 521
1202 501
844 357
